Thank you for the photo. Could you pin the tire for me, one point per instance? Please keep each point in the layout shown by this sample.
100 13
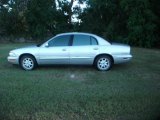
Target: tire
103 63
28 62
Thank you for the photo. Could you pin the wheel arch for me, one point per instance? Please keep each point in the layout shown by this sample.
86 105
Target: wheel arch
104 54
19 60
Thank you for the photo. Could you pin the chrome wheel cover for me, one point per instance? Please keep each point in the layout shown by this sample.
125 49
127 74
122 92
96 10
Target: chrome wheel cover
103 63
28 63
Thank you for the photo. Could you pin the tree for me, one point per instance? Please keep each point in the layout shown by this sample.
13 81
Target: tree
103 18
140 22
131 21
40 17
156 10
12 20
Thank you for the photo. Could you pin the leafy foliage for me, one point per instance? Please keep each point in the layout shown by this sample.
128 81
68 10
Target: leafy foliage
12 20
135 22
39 17
130 21
140 22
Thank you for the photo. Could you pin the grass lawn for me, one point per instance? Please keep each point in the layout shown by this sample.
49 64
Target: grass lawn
128 91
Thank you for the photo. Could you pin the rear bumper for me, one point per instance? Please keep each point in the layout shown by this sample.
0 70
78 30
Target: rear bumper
122 58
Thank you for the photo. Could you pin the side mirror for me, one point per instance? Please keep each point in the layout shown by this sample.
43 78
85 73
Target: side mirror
46 45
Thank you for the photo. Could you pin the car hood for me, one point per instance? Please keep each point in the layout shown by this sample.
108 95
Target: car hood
26 49
30 46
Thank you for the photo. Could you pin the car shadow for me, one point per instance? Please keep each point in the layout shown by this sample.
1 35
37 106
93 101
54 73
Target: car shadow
62 67
116 67
123 66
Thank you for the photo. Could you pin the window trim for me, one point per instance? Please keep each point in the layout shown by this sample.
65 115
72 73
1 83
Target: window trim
94 39
71 40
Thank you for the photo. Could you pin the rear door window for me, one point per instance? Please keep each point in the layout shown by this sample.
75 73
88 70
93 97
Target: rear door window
81 40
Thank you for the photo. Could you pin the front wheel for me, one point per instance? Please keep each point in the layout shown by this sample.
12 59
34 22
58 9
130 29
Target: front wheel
28 62
103 63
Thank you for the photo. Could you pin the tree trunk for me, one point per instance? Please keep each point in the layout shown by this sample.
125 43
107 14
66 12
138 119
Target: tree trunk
70 12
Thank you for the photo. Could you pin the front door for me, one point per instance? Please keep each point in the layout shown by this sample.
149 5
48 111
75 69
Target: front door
56 52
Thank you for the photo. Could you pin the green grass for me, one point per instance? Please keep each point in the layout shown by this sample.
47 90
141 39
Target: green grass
128 91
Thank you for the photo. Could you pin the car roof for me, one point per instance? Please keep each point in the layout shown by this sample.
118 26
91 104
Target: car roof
76 33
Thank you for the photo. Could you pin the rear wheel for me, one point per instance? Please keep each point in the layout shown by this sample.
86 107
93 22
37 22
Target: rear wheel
103 63
28 62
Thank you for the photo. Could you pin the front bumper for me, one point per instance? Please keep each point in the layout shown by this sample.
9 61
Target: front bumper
13 60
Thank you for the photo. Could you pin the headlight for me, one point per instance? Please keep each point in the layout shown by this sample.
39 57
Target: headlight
12 54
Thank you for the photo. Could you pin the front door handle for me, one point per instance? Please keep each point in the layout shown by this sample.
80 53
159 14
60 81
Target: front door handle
64 49
95 48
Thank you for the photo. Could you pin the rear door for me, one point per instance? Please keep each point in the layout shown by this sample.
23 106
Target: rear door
83 50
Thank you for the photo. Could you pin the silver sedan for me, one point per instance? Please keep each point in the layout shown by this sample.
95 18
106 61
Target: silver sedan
72 48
